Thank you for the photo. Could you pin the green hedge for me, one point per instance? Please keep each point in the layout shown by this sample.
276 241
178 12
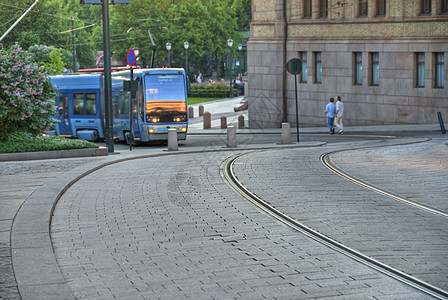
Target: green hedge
212 91
44 143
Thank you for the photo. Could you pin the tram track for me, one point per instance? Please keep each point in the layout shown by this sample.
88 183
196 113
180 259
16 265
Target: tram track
326 161
228 174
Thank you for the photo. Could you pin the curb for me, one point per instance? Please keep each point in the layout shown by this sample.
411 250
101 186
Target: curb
101 151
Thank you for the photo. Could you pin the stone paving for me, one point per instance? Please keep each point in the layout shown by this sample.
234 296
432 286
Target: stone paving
122 233
403 236
18 180
169 227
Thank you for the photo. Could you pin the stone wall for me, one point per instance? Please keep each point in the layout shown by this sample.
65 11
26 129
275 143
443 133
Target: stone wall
397 37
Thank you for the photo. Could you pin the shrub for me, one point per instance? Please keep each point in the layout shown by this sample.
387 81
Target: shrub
18 143
26 95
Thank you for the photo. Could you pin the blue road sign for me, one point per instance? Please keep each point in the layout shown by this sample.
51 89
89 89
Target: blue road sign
131 57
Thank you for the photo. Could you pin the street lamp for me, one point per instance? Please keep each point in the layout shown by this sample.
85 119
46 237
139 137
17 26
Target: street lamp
230 44
186 45
240 47
168 48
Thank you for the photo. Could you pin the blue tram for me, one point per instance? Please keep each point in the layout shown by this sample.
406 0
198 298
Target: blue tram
160 103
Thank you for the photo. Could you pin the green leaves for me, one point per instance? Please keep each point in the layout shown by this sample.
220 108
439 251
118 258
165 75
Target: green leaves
26 95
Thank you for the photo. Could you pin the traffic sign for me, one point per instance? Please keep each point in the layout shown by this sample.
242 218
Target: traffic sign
131 57
294 66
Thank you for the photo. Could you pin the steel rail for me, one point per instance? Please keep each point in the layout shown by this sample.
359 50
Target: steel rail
326 161
227 172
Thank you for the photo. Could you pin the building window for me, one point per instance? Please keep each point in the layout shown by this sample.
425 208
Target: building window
374 68
362 8
323 8
381 7
420 69
425 7
318 66
357 59
304 74
307 9
444 6
439 70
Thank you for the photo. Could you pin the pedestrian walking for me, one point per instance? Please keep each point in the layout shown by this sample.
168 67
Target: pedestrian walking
339 115
330 110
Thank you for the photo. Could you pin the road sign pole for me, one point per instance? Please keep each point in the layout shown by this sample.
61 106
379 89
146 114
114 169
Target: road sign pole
131 133
297 107
107 79
294 66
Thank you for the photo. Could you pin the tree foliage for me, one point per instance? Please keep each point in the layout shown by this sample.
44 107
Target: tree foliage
205 24
26 95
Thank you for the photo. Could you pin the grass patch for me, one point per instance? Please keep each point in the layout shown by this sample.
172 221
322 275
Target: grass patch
44 143
195 100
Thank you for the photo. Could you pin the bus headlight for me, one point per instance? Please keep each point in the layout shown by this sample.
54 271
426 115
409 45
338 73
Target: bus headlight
151 130
180 118
155 120
184 129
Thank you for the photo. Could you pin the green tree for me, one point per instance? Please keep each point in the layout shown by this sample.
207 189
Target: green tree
49 23
26 95
206 25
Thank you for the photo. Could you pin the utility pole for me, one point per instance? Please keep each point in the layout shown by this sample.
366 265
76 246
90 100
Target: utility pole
107 79
75 69
109 134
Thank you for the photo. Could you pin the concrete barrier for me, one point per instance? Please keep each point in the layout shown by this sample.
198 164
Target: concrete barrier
223 122
172 139
231 136
241 122
207 120
201 110
286 133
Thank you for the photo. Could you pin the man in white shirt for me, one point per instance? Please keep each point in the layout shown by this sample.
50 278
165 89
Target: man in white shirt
339 115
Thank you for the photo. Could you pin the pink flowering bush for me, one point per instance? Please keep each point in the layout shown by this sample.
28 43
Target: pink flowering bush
27 105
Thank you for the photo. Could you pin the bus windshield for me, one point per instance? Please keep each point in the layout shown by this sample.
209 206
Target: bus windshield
165 88
165 99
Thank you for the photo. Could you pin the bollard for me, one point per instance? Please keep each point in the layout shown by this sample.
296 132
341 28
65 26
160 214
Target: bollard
191 112
442 126
172 139
241 121
286 133
223 122
231 136
207 120
201 110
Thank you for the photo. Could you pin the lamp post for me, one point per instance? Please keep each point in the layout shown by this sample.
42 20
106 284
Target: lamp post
186 45
230 44
168 48
136 51
240 47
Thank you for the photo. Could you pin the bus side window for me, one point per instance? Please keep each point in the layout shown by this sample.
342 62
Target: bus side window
115 105
91 103
134 105
141 99
78 103
66 107
124 103
60 107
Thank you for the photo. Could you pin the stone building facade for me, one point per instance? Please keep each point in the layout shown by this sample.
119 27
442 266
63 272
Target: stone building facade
387 59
